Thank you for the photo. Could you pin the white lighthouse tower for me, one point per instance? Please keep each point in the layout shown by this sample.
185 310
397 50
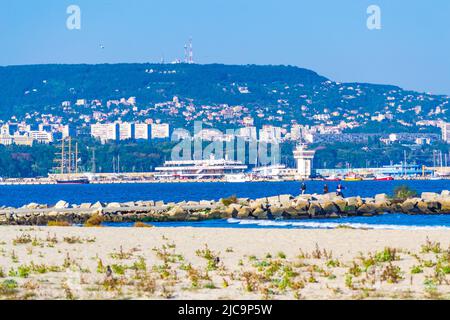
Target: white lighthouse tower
304 159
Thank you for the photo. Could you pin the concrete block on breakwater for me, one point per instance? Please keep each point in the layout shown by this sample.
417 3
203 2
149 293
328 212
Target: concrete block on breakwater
283 206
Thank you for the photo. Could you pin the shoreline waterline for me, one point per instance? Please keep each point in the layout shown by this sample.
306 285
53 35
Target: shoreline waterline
388 221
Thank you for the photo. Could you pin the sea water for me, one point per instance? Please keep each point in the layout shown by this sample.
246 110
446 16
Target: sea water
19 195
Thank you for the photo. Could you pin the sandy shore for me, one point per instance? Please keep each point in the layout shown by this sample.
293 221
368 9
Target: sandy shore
161 263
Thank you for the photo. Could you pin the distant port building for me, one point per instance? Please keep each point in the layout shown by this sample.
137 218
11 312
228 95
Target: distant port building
446 132
398 170
304 158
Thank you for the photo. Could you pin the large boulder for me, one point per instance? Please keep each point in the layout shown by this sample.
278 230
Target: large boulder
352 205
278 200
33 206
329 196
277 211
232 210
354 201
445 194
159 203
434 206
445 205
367 209
429 196
329 207
290 212
383 197
61 204
422 207
177 213
340 203
85 206
260 213
383 207
206 203
410 205
97 205
256 205
114 205
244 213
302 206
314 209
149 203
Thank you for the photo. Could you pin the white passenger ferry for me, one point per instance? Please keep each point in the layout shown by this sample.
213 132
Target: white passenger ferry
199 169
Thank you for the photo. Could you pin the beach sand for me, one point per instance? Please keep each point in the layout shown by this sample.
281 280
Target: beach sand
197 263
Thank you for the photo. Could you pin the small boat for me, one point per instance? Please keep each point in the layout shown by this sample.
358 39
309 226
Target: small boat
74 181
352 177
236 178
383 178
332 178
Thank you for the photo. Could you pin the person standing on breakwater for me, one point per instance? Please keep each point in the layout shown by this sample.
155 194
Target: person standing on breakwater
303 187
267 208
325 189
339 189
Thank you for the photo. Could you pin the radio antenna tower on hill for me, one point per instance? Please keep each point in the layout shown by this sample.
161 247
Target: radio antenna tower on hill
186 54
191 52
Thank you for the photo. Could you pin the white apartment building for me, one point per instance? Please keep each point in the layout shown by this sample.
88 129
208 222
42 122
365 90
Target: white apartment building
210 135
160 130
299 132
17 139
247 133
270 133
81 102
142 131
68 131
446 132
41 136
9 129
126 131
104 132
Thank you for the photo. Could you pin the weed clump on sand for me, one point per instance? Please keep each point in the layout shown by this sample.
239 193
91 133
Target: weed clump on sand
429 246
73 240
94 221
416 269
387 255
391 274
142 225
22 239
8 287
230 200
58 224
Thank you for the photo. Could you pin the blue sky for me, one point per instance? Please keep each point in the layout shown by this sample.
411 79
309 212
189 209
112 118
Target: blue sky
411 50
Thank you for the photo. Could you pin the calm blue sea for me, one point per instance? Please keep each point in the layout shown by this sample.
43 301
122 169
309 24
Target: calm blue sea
17 196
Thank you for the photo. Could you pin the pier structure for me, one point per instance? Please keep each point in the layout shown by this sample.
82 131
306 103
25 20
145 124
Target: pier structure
304 158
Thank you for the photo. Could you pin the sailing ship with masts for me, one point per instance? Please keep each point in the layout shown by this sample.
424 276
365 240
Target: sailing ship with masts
67 159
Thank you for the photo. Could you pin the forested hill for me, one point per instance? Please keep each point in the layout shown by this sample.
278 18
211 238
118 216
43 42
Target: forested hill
281 93
36 85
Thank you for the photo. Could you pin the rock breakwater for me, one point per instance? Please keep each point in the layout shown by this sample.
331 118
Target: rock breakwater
277 207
